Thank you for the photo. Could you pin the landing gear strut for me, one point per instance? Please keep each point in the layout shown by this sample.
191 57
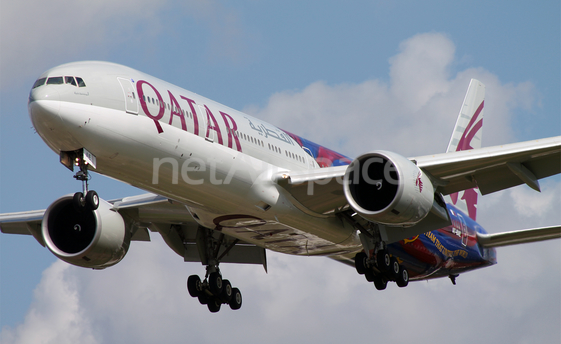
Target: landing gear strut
91 200
87 199
213 291
375 262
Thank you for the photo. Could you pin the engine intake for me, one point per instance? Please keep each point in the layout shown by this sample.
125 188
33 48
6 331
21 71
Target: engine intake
385 187
93 239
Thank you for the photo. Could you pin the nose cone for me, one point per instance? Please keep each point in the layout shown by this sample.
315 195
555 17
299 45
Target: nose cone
44 108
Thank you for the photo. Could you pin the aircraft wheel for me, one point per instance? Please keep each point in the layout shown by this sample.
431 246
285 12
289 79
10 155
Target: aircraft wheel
383 260
214 305
203 299
395 268
92 200
215 283
360 262
403 279
369 274
226 294
380 283
194 285
236 300
79 201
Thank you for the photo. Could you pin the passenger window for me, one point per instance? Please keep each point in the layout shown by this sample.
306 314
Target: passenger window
70 80
80 82
39 82
57 80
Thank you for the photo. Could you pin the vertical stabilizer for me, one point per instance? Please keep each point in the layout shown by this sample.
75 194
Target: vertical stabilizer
467 135
467 132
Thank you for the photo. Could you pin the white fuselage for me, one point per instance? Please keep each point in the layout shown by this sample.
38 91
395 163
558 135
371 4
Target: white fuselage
217 161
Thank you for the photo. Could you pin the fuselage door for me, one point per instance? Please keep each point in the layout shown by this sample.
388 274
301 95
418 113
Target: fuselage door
464 230
131 101
309 157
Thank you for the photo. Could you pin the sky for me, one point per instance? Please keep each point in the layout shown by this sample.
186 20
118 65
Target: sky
353 76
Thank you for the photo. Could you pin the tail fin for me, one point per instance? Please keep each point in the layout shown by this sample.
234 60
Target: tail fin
467 135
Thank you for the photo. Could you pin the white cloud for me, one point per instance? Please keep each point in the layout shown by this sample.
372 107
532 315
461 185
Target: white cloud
530 203
56 316
413 114
60 31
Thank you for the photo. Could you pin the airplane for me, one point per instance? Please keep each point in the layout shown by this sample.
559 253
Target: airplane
225 187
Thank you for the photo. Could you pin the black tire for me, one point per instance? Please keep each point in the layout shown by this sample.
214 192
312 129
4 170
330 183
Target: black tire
194 285
395 268
236 300
226 294
403 279
380 283
383 260
214 305
360 262
92 200
215 283
203 299
369 274
79 201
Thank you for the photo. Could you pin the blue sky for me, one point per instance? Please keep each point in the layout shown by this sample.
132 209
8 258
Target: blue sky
354 76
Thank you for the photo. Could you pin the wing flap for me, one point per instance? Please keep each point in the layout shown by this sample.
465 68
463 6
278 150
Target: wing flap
519 237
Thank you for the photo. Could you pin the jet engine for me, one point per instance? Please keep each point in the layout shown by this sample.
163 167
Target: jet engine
88 238
387 188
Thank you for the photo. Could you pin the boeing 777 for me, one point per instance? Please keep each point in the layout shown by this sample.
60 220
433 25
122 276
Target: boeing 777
224 186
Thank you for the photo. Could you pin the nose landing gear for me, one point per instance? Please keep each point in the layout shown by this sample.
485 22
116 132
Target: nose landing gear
87 199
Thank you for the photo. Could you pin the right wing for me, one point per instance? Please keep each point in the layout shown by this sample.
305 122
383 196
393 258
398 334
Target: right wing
149 213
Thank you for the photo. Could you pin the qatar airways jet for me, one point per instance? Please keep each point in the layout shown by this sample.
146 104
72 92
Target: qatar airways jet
225 186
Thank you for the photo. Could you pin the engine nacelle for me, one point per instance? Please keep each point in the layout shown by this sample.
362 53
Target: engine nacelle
92 239
385 187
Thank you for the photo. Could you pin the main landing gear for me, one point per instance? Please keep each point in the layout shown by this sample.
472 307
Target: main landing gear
381 268
213 291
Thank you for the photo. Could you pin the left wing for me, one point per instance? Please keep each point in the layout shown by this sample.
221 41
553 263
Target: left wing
494 168
518 237
491 169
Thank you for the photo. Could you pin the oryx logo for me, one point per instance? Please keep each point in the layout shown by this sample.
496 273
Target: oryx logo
419 182
470 195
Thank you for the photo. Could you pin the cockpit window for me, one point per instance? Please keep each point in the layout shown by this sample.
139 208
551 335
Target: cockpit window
39 82
81 82
59 80
56 80
70 80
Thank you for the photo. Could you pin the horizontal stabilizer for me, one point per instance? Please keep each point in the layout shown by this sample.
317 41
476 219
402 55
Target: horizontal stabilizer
519 237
